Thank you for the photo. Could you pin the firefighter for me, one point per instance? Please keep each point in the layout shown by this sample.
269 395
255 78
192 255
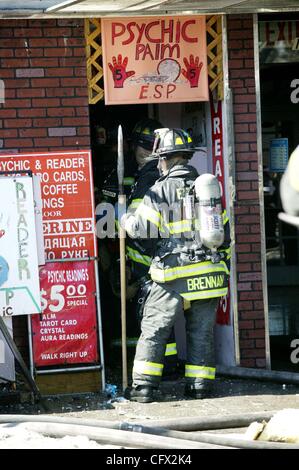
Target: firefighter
181 270
139 252
289 190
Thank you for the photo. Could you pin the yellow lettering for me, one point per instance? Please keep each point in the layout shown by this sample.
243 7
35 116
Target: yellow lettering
205 282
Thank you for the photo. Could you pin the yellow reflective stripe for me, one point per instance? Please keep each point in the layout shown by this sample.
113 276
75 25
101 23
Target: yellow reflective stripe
206 294
149 214
134 204
200 371
138 257
148 368
179 226
171 349
227 251
170 274
224 217
293 170
129 180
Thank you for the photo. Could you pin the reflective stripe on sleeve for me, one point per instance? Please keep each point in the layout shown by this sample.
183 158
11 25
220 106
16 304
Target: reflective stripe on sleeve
134 204
148 368
179 226
134 255
148 213
200 372
171 349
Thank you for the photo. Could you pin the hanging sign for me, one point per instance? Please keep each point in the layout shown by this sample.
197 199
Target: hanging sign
155 59
66 331
67 200
19 279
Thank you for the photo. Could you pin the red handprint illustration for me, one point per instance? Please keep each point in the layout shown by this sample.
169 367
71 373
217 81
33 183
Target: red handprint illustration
193 69
119 72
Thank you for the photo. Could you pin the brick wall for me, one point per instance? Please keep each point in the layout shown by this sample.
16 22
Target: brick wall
43 66
247 207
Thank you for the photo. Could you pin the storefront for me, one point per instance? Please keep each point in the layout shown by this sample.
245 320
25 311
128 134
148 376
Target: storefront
52 70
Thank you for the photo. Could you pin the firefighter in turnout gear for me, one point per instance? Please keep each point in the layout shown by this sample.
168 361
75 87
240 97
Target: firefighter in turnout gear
140 252
182 269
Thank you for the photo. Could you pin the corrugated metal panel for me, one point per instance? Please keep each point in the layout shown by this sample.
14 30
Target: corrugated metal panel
83 8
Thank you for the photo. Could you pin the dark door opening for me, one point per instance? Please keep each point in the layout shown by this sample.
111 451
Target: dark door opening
280 136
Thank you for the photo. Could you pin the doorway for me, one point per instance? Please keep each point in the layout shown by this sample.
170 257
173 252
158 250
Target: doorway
280 136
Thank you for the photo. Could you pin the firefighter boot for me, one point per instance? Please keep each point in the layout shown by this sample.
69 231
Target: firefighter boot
141 394
198 390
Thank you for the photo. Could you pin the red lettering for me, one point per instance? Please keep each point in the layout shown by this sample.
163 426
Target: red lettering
290 30
139 50
170 89
157 89
268 33
114 32
140 31
281 25
178 32
165 30
131 34
147 32
184 32
143 89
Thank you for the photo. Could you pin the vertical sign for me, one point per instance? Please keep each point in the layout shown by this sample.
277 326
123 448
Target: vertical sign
223 311
66 331
19 280
155 59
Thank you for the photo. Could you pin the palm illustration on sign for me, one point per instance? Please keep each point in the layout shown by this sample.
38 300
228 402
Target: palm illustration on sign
193 69
119 72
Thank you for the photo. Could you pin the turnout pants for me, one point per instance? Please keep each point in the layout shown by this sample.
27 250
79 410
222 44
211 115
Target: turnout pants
161 309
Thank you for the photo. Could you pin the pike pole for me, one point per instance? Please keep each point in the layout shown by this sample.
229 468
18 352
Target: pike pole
122 251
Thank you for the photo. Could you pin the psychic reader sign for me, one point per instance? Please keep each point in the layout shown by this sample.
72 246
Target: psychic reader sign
19 279
66 332
155 59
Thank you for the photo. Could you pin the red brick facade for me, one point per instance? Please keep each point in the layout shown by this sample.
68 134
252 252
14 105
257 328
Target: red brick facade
43 66
247 206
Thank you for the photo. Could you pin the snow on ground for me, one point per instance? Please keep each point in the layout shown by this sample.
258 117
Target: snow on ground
21 437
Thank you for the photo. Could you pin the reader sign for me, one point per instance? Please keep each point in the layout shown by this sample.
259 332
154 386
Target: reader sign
155 59
67 200
19 281
66 331
223 310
